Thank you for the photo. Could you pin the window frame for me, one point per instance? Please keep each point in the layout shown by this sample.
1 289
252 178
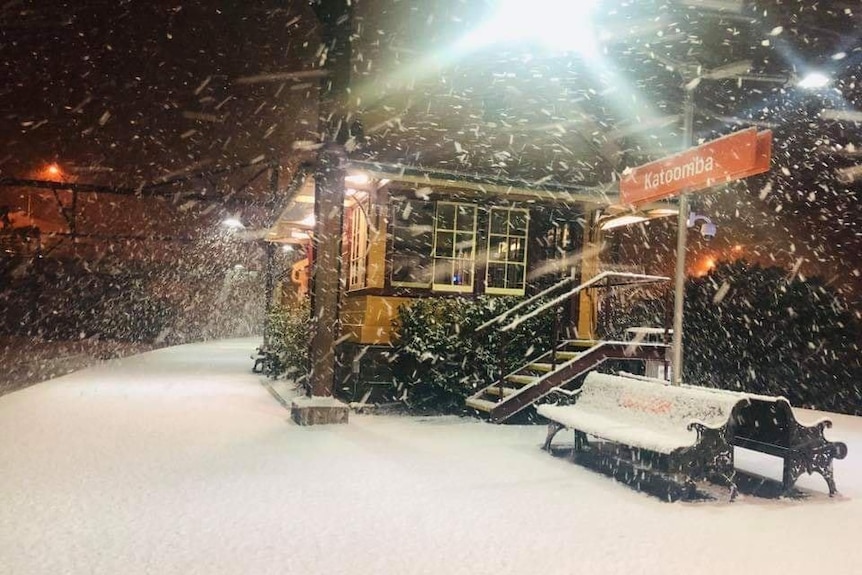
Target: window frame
437 261
393 203
506 263
357 267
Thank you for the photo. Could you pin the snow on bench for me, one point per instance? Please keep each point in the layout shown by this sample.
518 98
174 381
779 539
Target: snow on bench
642 412
688 432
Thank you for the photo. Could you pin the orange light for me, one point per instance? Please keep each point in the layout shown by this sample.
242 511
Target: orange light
704 266
738 248
53 171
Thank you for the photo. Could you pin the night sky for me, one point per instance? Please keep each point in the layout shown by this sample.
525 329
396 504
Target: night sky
129 92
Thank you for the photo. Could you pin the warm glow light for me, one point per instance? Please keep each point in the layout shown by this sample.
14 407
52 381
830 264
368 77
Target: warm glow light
663 212
564 25
625 220
704 266
357 179
814 80
738 248
53 170
233 223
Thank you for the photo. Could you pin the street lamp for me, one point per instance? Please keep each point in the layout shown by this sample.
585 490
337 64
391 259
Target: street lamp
814 81
569 30
739 72
233 224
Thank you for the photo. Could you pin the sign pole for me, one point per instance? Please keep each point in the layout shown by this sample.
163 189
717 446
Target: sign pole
681 237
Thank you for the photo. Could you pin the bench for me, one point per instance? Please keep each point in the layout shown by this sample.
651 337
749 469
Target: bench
267 363
686 434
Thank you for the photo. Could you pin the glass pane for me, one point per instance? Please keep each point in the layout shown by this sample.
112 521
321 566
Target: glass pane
518 223
514 276
499 220
517 249
446 216
462 272
466 217
443 271
445 245
464 245
498 249
496 275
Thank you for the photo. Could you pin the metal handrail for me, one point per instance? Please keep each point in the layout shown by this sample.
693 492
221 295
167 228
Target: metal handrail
524 303
645 278
552 305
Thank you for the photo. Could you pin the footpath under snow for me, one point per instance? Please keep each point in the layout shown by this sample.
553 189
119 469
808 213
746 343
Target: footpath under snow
180 461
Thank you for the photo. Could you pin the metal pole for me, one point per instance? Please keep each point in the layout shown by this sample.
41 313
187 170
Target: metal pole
269 264
682 230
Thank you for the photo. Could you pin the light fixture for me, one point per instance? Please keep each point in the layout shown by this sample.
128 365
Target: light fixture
662 212
623 220
564 25
358 178
814 81
707 230
609 223
233 224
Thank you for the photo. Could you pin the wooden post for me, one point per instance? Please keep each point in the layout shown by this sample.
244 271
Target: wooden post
326 280
269 264
587 305
335 18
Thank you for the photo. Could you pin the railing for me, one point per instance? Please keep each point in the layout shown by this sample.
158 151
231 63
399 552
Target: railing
555 304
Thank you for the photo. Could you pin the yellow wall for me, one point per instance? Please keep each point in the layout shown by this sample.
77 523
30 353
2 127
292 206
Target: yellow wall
376 272
367 319
587 302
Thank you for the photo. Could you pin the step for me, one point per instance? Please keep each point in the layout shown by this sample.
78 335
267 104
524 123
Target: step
544 367
581 343
495 391
522 379
567 355
480 404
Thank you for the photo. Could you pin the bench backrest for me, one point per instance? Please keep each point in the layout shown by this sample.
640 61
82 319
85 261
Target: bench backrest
654 403
763 420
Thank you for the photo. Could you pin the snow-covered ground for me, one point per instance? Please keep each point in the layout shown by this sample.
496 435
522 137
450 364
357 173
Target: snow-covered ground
180 461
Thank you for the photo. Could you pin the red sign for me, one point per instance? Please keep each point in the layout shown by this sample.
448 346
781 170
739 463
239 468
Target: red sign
722 160
763 157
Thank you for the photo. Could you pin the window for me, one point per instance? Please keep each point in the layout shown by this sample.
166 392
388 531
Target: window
412 239
454 247
358 246
434 246
507 251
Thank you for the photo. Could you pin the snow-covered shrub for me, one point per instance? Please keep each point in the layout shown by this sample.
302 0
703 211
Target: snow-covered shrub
750 328
753 328
439 359
289 326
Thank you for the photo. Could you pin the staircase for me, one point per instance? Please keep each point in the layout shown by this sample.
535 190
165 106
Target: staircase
558 368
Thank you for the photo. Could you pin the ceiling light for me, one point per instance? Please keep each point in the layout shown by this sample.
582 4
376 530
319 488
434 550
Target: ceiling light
357 179
814 81
233 223
624 220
